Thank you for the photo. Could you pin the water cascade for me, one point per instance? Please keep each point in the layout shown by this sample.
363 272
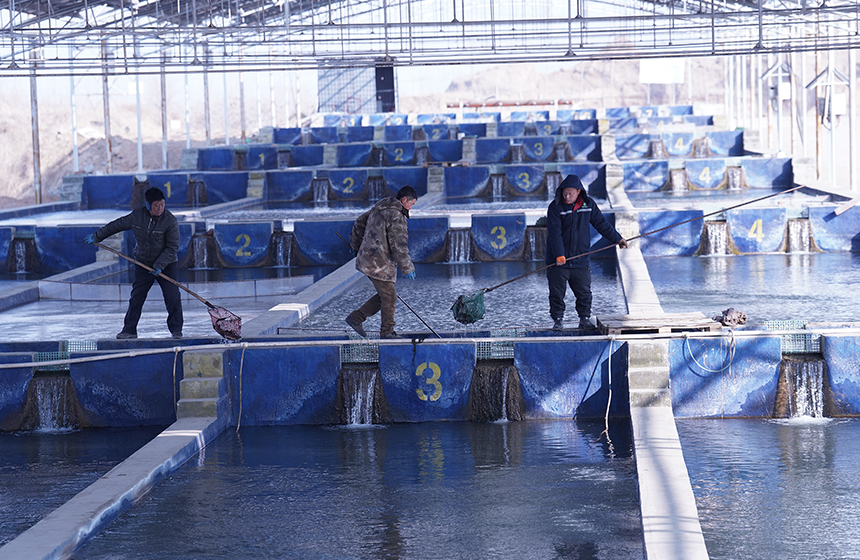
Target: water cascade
459 245
715 239
553 180
678 181
22 256
701 148
565 129
285 159
656 149
422 155
530 128
560 151
734 178
495 393
196 194
51 404
360 399
535 249
499 186
376 189
320 187
281 249
798 238
803 388
377 158
518 153
204 250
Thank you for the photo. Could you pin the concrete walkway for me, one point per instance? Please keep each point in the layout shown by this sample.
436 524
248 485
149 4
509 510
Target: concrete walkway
70 526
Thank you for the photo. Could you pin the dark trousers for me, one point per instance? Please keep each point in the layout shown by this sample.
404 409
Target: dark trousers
385 300
579 280
143 281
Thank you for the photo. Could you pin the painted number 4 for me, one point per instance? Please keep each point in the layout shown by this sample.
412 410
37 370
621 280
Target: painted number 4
756 231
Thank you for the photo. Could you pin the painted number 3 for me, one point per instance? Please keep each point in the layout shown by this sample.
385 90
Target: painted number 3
432 380
500 240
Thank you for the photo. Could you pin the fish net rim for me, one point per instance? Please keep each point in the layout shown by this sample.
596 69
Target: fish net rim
469 308
226 323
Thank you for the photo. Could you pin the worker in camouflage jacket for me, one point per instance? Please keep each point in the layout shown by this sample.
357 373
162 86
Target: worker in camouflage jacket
380 239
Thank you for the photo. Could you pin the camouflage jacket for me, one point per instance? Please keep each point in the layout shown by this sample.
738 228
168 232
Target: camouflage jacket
381 238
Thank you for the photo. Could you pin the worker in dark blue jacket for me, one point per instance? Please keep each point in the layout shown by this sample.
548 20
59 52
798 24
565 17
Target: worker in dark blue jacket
568 234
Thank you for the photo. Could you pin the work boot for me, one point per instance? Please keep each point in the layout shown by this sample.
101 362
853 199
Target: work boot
126 335
585 323
558 325
392 334
356 326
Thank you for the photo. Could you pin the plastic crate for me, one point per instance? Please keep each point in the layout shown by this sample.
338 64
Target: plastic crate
795 343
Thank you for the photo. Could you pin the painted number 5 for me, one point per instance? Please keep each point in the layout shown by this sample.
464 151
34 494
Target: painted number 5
432 380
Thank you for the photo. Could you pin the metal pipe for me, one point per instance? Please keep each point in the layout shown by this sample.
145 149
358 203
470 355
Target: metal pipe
106 101
206 121
852 118
226 110
139 125
34 116
164 153
75 159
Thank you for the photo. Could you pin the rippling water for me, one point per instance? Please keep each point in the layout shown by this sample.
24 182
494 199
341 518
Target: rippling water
445 490
776 489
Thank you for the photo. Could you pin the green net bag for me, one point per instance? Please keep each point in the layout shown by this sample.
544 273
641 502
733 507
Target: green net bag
469 308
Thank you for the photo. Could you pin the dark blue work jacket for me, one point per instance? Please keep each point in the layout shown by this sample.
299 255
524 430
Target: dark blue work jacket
567 229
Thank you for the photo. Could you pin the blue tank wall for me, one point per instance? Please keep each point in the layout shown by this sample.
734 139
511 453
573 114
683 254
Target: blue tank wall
13 388
842 355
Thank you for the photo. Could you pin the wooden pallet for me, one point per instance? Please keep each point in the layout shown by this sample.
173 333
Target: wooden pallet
447 164
666 323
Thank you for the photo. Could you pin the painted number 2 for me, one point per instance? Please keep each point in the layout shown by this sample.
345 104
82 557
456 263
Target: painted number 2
432 380
241 252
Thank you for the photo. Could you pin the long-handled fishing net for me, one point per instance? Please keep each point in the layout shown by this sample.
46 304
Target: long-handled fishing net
470 307
225 322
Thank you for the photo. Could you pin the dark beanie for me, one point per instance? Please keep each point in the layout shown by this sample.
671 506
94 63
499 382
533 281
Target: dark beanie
571 182
153 194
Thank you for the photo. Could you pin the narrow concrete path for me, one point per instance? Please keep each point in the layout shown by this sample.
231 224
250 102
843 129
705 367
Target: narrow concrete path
68 527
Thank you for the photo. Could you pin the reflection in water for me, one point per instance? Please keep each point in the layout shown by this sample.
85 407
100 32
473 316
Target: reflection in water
775 489
439 490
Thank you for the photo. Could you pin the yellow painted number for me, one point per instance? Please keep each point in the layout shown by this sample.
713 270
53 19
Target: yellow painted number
649 112
262 160
167 186
679 144
756 231
499 232
705 175
436 133
547 129
523 178
241 252
539 148
398 154
349 182
433 380
398 120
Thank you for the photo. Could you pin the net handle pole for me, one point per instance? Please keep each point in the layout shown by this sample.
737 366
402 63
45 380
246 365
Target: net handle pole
702 217
161 274
398 295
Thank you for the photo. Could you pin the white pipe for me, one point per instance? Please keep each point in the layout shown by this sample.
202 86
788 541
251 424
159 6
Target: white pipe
75 160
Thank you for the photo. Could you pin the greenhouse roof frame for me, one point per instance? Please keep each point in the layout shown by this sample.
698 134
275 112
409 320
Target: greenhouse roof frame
59 37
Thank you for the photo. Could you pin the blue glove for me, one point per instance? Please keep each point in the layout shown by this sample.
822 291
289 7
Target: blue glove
155 272
91 238
411 275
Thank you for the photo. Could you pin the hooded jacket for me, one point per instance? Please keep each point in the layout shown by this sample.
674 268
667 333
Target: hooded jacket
156 237
381 238
567 228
